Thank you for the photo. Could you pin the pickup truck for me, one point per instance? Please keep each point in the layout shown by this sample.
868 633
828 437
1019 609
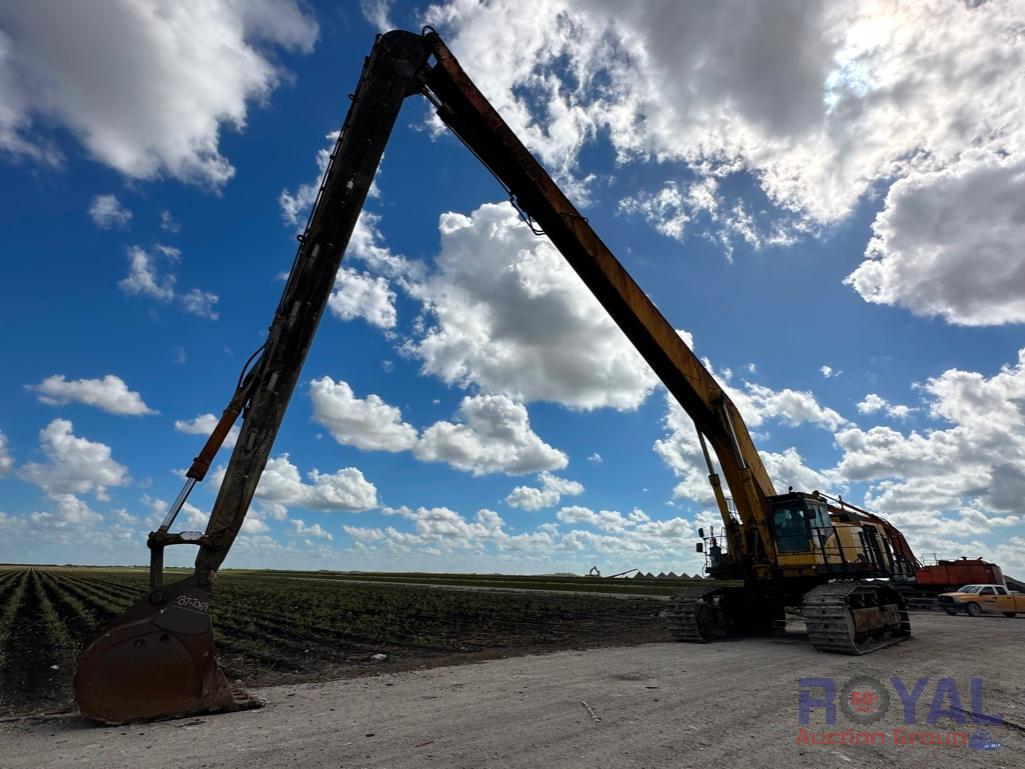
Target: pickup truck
975 600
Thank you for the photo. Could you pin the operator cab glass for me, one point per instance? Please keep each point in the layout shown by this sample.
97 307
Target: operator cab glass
798 521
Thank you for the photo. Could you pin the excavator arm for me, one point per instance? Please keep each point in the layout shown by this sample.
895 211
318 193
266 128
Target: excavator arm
390 74
157 660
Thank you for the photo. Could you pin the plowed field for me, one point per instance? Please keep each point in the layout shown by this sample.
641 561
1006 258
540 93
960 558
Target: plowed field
285 627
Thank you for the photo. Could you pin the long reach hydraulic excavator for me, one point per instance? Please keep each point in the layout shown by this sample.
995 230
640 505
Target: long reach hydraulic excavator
803 551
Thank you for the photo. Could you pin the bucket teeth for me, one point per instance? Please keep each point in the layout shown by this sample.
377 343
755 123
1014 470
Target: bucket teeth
221 696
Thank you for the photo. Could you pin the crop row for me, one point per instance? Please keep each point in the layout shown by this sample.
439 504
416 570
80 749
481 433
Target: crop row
268 623
255 605
37 645
561 583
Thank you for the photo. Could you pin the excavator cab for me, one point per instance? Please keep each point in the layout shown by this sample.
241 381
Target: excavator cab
799 521
810 540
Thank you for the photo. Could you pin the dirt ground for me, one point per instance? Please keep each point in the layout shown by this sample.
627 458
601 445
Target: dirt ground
655 705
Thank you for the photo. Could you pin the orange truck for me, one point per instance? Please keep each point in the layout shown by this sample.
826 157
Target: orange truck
975 600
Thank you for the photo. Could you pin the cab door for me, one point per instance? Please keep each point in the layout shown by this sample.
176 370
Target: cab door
1006 602
989 601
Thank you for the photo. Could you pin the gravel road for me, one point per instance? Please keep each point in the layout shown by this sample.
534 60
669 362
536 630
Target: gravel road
657 705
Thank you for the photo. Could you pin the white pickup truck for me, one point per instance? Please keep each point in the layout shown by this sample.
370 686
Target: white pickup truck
976 600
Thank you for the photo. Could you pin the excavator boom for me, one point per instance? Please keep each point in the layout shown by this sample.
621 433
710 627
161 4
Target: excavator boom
158 660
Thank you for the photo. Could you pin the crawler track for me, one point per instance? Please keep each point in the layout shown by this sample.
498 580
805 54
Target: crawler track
694 615
855 617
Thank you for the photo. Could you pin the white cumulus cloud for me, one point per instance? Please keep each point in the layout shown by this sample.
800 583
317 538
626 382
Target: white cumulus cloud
6 460
67 511
107 212
110 394
253 525
680 450
200 303
974 461
151 273
344 490
367 423
361 295
145 86
75 465
787 469
791 407
608 520
376 12
671 210
820 104
144 276
550 493
948 243
439 530
168 223
578 534
493 435
873 403
314 530
492 432
296 205
510 316
818 101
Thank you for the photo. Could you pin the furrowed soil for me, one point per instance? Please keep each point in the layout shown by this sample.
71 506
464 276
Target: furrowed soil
28 649
277 628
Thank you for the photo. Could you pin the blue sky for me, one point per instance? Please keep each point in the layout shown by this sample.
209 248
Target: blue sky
836 227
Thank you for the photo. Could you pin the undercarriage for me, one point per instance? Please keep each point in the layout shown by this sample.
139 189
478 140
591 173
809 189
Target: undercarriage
843 617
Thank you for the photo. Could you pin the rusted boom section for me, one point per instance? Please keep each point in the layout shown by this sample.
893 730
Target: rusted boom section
391 73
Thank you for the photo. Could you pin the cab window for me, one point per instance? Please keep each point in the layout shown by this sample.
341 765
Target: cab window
821 519
791 529
988 591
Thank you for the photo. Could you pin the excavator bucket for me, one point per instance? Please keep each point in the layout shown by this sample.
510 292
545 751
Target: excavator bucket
156 661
